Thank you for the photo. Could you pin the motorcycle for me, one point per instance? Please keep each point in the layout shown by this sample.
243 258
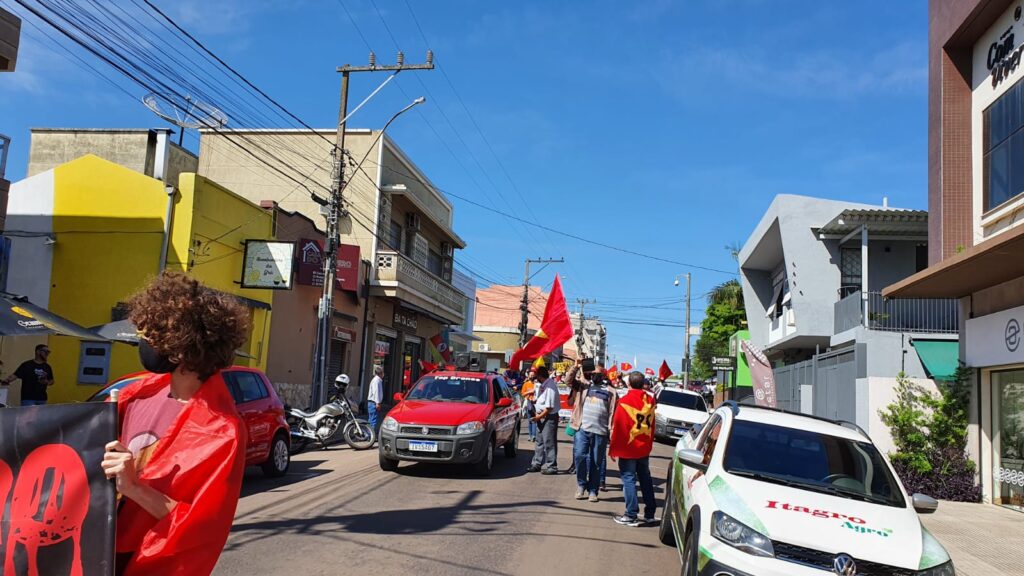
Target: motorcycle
321 426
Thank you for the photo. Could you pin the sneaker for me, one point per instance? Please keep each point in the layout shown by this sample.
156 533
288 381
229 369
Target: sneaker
549 471
594 498
627 521
650 520
603 487
581 494
533 469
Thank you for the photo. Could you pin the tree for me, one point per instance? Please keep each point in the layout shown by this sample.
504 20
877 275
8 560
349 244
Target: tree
724 316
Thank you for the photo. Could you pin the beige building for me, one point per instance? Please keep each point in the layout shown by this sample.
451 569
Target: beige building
399 220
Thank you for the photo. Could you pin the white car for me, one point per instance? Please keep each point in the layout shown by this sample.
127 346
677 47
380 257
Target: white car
678 412
763 492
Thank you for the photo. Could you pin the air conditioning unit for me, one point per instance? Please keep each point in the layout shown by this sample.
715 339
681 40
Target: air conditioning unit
483 347
412 221
447 249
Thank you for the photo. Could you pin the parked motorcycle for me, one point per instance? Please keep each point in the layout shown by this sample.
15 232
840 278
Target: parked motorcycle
321 426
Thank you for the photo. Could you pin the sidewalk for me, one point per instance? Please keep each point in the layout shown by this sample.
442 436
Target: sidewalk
982 539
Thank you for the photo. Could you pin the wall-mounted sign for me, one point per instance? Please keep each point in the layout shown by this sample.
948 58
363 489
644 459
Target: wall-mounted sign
406 319
268 264
995 339
311 265
723 363
345 334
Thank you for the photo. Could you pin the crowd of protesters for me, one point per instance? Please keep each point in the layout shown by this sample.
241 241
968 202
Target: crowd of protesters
611 417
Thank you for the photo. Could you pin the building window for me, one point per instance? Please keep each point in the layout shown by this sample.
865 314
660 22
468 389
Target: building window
395 238
434 262
850 271
1004 148
420 249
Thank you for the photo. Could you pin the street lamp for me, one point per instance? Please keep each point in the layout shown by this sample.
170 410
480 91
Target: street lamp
333 239
686 354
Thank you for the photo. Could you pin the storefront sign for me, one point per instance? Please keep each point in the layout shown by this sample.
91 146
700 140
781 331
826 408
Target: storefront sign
268 264
311 265
406 319
726 363
345 334
995 340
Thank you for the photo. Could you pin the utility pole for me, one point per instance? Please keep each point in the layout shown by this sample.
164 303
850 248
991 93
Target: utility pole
524 306
580 340
335 210
686 355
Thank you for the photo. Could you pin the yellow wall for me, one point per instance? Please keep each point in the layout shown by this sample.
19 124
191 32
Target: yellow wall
109 221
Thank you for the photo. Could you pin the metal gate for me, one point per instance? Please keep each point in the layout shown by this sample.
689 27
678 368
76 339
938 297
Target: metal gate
835 383
788 381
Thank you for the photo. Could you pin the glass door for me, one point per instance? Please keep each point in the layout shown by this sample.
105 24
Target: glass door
410 364
1008 438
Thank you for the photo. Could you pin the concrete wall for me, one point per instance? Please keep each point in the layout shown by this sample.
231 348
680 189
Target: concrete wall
134 149
874 394
886 268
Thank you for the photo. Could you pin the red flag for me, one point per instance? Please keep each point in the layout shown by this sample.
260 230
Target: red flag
555 329
664 372
649 371
626 366
633 426
199 463
427 367
614 368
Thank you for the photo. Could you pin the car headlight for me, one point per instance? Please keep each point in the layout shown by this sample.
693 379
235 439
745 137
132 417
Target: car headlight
740 536
390 424
658 418
940 570
470 427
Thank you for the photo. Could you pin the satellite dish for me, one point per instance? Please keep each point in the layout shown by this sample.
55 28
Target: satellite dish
185 113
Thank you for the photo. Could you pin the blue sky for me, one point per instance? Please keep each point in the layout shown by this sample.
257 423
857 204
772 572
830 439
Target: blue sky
659 126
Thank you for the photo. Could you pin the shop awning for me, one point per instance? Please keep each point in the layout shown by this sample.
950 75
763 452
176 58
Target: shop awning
990 263
939 357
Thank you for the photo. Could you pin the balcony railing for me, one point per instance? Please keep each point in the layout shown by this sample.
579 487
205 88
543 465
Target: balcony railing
396 267
922 315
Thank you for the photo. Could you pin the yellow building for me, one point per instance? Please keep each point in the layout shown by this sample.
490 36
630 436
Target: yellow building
88 233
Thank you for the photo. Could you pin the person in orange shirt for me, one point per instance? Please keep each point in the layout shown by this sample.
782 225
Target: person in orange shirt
527 392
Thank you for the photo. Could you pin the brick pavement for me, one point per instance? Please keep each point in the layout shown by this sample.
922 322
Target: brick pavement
982 539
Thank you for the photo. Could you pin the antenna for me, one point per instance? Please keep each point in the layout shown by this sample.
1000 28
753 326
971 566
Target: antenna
188 114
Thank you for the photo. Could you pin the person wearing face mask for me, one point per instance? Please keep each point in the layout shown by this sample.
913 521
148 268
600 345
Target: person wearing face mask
180 455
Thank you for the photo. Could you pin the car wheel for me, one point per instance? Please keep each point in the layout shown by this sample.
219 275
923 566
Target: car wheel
279 458
512 446
690 555
486 464
388 464
665 534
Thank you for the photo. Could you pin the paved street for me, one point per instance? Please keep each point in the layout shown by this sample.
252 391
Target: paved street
336 511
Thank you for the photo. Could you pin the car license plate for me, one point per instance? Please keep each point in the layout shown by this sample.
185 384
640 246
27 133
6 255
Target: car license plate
415 446
680 431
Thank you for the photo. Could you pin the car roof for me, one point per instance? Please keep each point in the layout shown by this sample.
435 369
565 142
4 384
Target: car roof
785 419
680 390
461 374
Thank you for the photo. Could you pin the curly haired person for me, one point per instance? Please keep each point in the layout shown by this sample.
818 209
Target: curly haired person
180 456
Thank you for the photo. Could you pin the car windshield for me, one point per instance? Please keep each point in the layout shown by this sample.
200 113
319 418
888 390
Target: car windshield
450 389
102 395
680 400
812 461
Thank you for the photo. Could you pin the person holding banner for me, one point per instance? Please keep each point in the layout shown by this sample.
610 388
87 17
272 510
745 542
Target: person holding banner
179 461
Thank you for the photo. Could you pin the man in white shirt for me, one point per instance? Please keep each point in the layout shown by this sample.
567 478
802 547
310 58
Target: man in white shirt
375 395
547 404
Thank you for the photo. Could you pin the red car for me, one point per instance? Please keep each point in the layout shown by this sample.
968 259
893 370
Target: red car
260 409
453 417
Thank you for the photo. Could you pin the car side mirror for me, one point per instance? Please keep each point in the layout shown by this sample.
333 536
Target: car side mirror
924 504
692 458
504 402
398 397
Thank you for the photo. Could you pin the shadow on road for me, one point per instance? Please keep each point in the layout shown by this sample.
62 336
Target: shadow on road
299 470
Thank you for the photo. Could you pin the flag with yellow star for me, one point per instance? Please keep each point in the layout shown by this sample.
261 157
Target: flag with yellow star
633 426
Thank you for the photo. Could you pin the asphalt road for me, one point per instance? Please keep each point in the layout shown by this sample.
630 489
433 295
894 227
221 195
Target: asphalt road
336 512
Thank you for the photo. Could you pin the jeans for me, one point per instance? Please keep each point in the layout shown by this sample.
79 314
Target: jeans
530 413
533 429
587 450
26 402
545 454
629 471
371 414
604 464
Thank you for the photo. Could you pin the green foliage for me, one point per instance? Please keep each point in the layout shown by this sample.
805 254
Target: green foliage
930 434
722 318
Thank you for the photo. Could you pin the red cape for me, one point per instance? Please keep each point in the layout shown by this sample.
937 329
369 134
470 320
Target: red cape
199 463
633 426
